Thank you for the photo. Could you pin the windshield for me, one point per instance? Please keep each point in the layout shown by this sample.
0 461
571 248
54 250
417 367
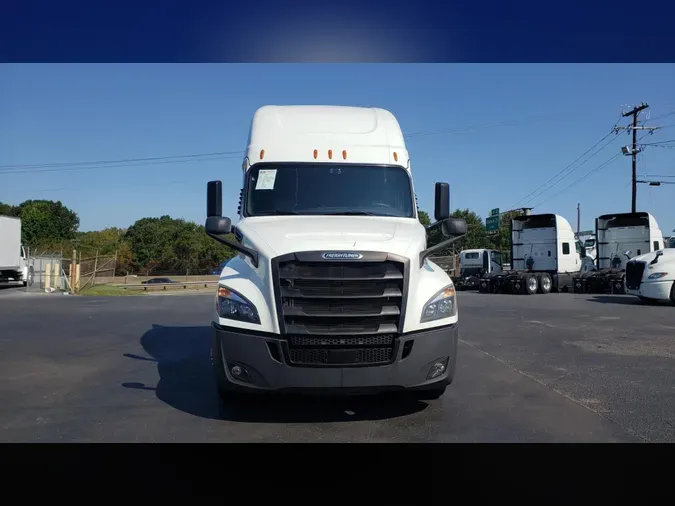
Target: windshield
336 189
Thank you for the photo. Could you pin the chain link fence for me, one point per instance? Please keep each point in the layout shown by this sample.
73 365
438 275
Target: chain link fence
45 271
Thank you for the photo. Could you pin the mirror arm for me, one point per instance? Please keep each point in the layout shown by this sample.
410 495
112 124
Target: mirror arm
438 247
251 253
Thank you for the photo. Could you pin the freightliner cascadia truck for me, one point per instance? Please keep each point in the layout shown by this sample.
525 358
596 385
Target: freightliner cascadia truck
331 290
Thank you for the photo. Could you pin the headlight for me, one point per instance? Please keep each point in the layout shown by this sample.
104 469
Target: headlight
231 305
441 305
657 275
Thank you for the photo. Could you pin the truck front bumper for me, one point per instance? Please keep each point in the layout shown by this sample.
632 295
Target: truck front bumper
659 290
265 366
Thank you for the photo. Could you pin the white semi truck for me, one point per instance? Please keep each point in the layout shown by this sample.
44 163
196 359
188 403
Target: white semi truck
617 234
474 264
15 265
651 276
332 289
545 257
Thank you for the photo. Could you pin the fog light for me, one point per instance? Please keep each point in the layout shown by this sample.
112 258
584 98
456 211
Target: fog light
239 372
437 369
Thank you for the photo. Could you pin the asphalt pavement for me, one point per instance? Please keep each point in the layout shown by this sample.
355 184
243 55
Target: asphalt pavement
548 368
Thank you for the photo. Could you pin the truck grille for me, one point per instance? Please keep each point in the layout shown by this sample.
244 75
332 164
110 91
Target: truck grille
634 272
340 312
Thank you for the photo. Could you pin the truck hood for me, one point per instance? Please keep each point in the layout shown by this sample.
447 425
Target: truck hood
280 235
668 256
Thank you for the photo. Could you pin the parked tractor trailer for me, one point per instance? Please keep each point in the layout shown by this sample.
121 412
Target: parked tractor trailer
545 257
620 236
474 264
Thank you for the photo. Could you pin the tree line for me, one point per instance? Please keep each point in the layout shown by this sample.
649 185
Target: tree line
172 245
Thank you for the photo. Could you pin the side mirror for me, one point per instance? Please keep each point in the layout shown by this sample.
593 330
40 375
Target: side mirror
214 199
218 225
628 253
453 227
441 201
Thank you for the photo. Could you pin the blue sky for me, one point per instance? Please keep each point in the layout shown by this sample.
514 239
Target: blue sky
457 114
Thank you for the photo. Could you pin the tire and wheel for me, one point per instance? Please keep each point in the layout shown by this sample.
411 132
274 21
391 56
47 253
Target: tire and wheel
672 293
545 283
530 283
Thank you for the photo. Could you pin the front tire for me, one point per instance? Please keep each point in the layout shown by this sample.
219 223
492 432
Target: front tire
672 293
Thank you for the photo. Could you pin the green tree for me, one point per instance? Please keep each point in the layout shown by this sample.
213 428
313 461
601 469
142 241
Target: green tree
173 245
7 209
45 222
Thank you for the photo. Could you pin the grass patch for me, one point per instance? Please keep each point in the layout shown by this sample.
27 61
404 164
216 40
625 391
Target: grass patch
108 291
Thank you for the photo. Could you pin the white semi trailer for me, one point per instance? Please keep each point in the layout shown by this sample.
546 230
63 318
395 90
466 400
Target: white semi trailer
618 234
545 257
332 289
15 265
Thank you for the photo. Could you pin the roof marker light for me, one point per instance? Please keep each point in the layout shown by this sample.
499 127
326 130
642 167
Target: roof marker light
344 154
316 153
262 154
395 156
330 154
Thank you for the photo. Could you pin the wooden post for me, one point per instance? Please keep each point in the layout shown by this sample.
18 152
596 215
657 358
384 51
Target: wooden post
77 277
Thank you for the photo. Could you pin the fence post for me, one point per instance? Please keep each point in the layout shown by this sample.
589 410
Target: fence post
115 268
93 276
72 272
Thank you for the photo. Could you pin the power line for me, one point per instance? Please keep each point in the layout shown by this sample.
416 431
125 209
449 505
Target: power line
595 170
242 152
530 196
95 167
122 160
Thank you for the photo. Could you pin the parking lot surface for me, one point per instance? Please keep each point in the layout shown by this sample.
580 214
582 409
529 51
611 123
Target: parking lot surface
552 368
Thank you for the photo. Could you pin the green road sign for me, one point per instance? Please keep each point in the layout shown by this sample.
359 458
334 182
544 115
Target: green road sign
494 212
492 223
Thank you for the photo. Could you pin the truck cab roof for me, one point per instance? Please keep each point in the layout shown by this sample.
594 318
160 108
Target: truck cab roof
323 133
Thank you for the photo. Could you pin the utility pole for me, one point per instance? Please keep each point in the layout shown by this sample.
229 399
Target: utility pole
578 219
634 112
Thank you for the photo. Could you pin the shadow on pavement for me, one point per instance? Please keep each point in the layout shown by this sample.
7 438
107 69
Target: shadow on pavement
186 382
627 300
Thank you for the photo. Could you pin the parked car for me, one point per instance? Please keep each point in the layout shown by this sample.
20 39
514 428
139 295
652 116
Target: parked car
155 281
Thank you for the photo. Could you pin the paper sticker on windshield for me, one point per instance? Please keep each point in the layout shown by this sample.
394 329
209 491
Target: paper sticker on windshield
266 179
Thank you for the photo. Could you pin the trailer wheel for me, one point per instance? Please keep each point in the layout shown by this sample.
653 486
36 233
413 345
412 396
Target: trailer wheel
672 293
545 283
531 284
